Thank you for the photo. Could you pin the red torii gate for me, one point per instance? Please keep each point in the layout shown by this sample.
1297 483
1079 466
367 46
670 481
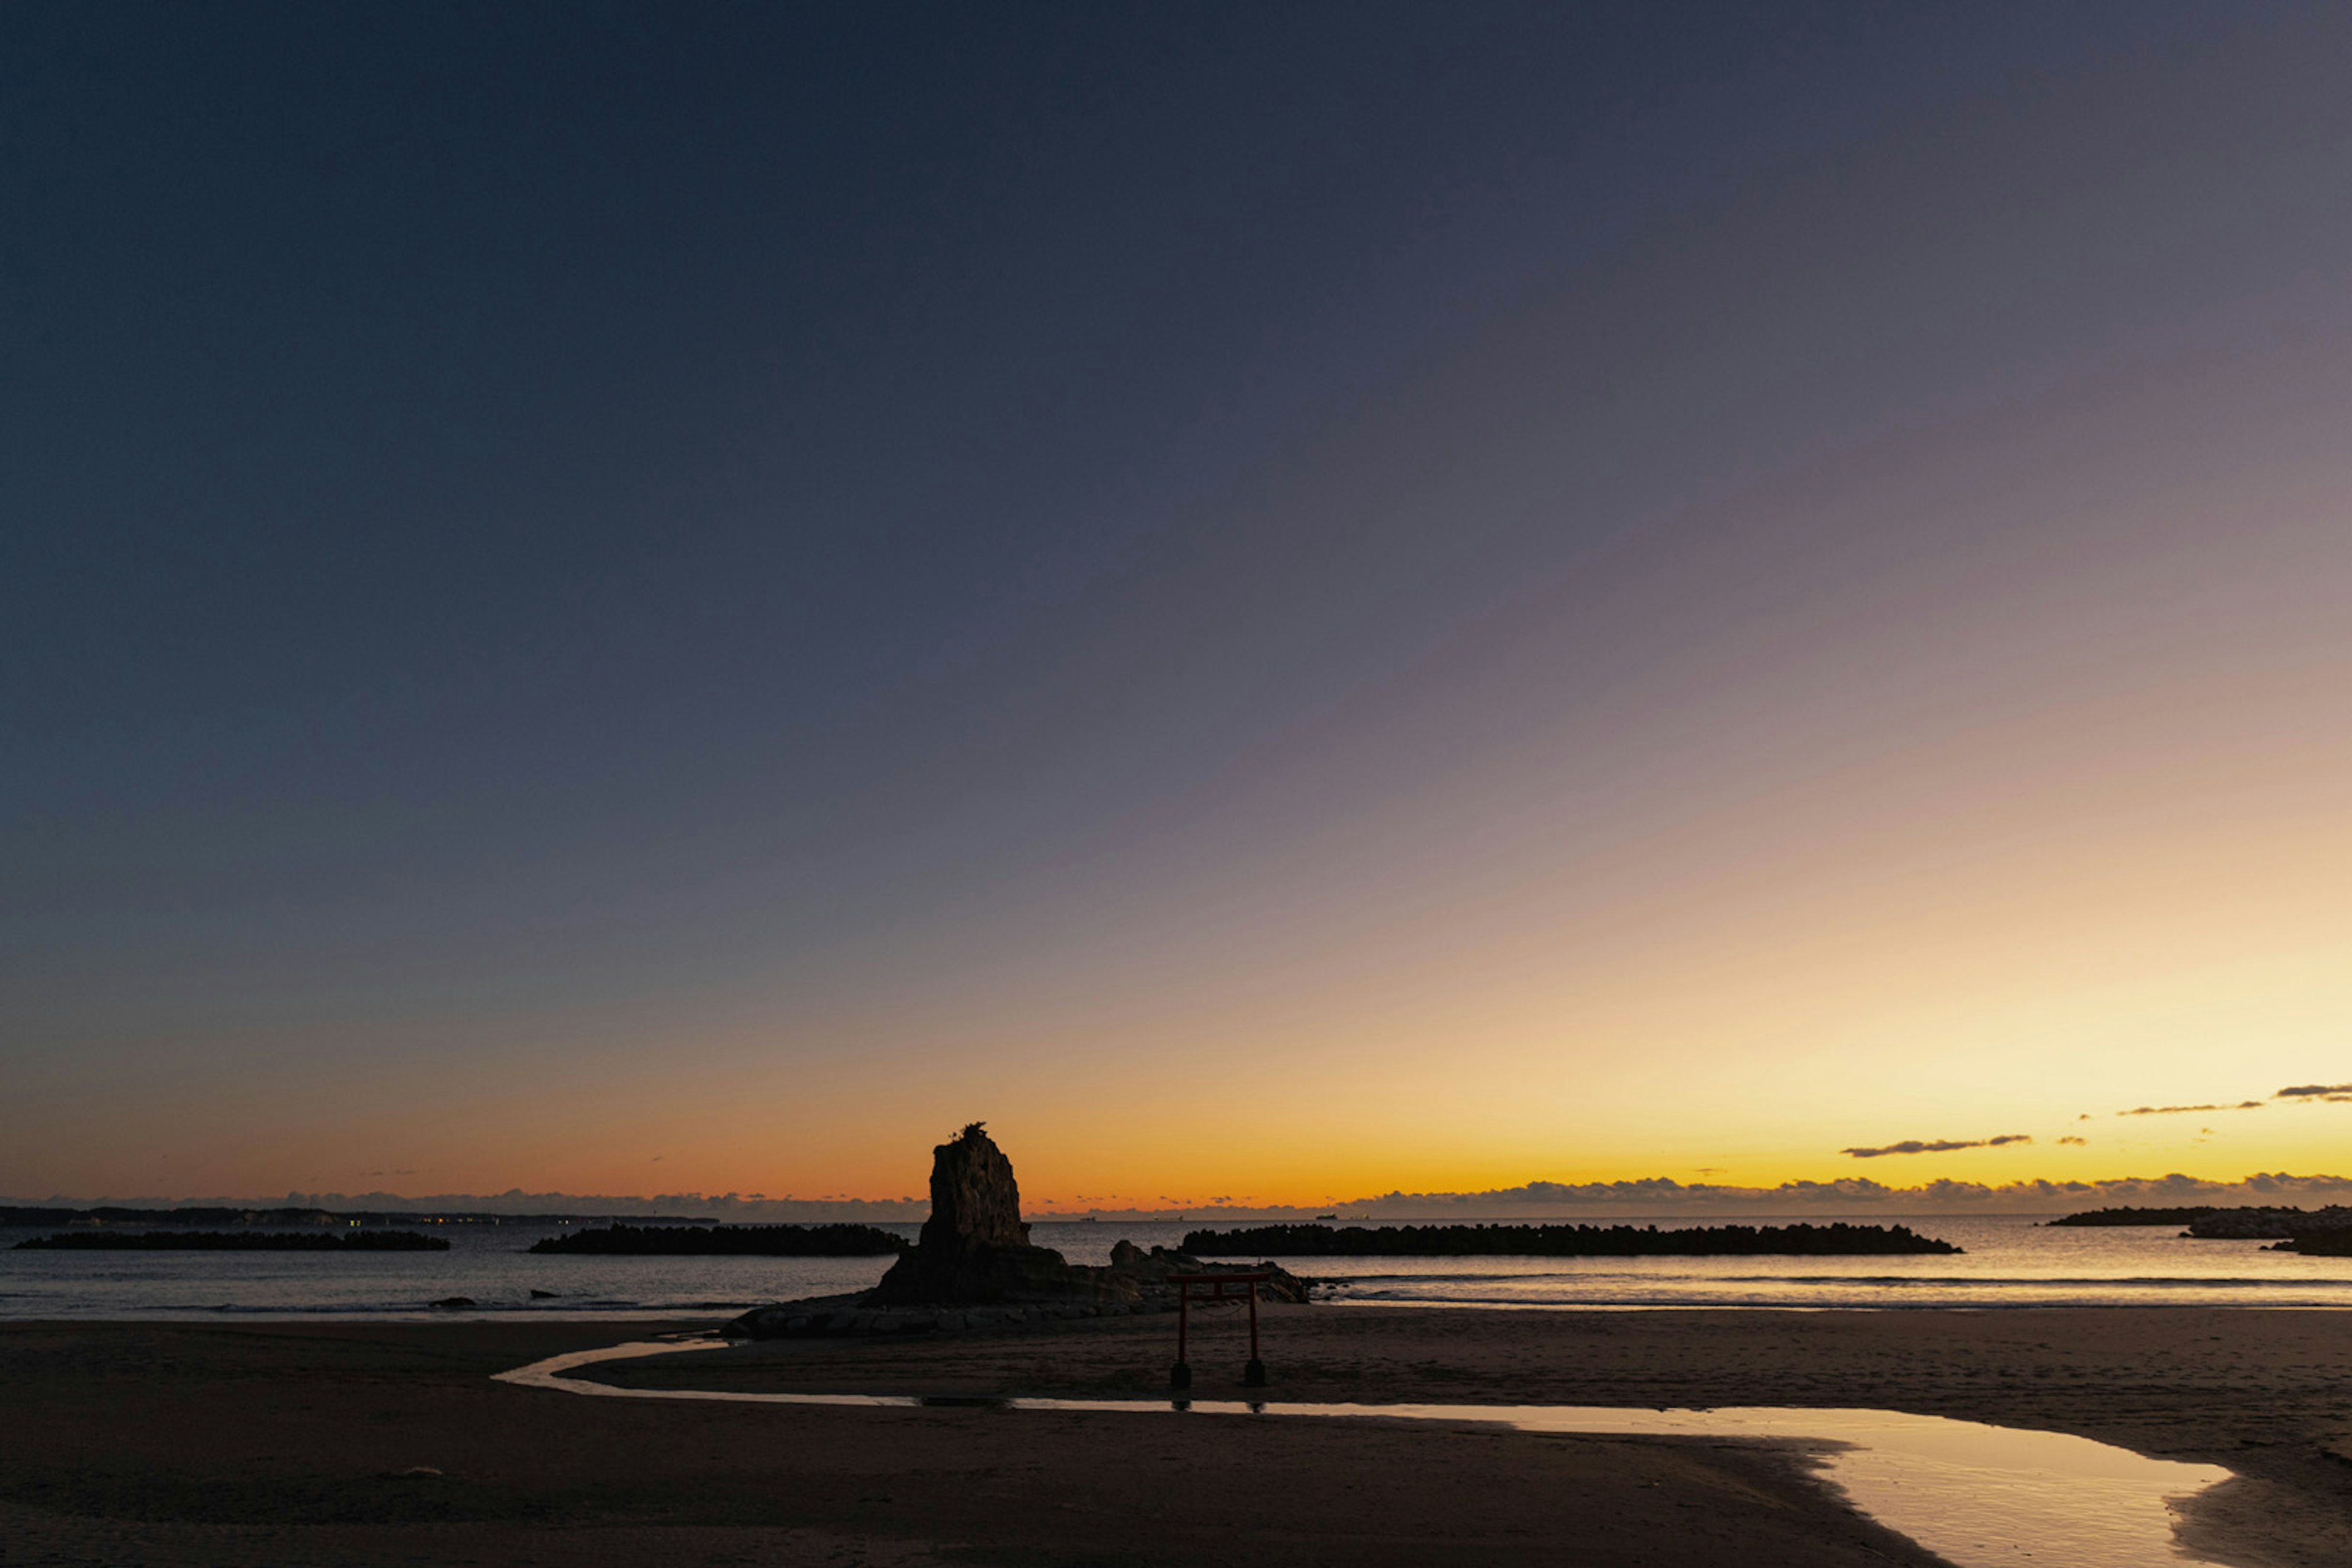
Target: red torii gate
1208 1289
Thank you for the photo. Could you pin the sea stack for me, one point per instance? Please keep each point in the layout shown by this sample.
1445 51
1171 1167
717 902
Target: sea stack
973 1267
974 1248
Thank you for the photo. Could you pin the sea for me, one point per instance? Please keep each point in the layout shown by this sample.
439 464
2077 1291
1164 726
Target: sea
2007 1261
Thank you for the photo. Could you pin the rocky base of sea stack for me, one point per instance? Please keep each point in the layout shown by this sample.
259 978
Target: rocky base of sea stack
838 1316
1134 1282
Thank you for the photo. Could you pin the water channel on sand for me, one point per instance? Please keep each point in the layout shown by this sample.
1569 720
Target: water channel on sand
1977 1496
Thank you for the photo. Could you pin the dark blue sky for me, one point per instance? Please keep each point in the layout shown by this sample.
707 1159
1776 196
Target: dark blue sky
431 397
502 504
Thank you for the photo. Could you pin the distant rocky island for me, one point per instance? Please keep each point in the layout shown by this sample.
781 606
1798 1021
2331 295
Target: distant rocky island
974 1268
1561 1241
2253 1223
235 1241
728 1241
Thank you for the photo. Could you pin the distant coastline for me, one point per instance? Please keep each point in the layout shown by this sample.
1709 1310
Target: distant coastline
235 1241
1640 1199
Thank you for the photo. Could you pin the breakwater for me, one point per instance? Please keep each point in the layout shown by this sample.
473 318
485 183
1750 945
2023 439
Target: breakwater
1562 1241
235 1241
728 1241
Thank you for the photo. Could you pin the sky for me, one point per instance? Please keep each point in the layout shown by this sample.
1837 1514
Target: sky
1283 602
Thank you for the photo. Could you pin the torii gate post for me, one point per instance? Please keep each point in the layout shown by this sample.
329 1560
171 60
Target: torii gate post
1210 1288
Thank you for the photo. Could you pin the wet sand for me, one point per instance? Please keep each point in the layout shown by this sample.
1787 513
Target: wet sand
285 1444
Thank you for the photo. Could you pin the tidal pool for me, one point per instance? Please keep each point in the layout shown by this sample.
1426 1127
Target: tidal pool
1977 1496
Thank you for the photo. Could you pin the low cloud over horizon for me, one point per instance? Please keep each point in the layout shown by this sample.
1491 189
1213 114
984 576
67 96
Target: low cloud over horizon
1664 1195
1936 1146
1643 1195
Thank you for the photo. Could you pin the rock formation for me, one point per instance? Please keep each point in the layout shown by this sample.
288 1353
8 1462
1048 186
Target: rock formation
974 1248
974 1268
975 1199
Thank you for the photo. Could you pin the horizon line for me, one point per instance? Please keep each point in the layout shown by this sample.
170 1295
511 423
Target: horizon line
1665 1194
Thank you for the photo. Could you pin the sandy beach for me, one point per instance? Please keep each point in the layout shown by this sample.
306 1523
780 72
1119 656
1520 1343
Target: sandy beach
137 1443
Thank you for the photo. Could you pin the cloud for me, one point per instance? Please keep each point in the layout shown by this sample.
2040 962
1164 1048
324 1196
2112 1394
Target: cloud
1660 1195
1938 1146
2315 1091
1852 1195
2073 1140
2178 1110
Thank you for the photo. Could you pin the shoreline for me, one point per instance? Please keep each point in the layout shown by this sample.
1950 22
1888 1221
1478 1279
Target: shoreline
1925 1477
175 1435
2264 1391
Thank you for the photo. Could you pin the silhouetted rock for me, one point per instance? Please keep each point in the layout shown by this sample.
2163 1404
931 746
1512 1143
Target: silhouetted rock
2268 1223
2253 1222
975 1200
1134 1282
974 1248
2335 1242
1145 1274
974 1269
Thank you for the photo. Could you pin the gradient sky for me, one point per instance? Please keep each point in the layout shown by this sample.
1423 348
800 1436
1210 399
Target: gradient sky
1279 601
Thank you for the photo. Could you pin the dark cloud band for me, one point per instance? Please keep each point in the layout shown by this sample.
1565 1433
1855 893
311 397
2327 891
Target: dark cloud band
1935 1146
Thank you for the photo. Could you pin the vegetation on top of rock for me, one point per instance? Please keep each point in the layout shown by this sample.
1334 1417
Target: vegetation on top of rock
237 1241
1560 1241
729 1240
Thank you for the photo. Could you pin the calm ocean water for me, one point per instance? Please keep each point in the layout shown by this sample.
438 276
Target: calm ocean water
2010 1262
